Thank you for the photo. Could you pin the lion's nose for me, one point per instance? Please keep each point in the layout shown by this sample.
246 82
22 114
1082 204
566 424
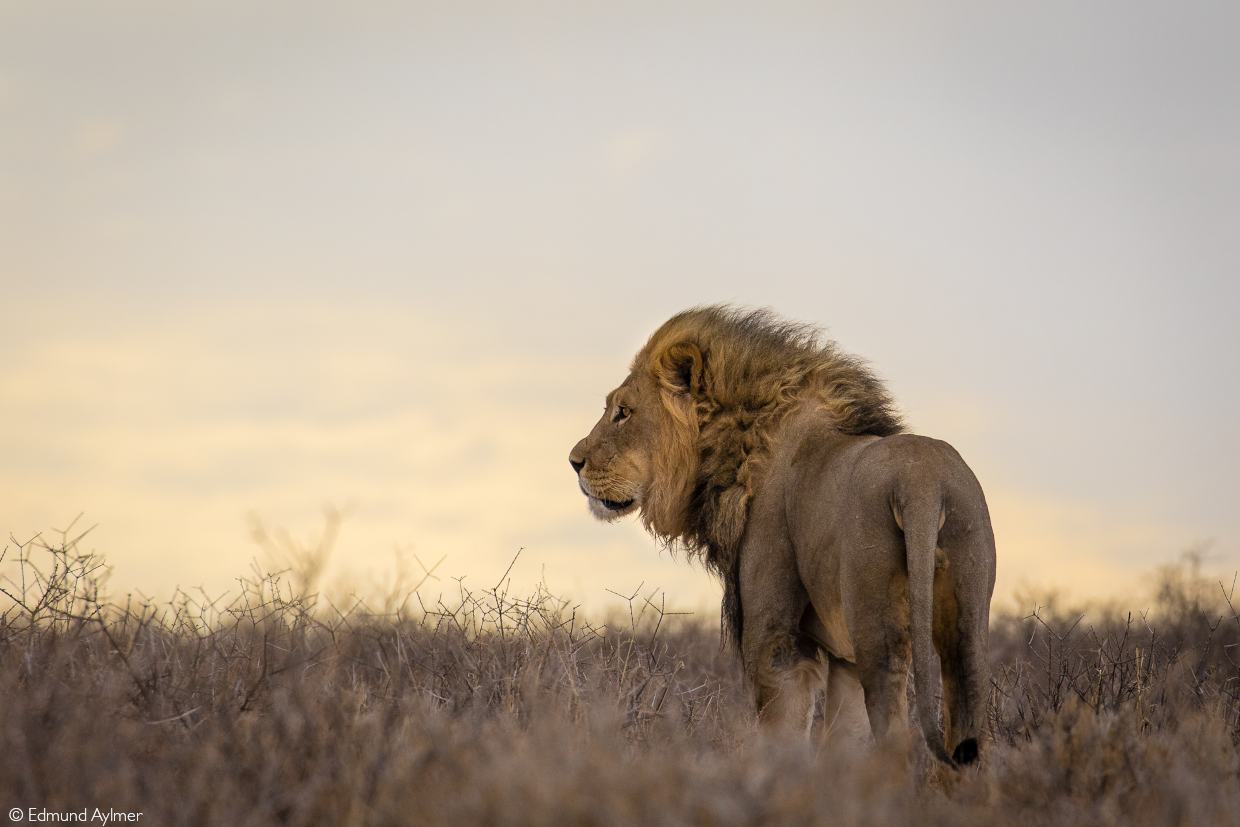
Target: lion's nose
577 456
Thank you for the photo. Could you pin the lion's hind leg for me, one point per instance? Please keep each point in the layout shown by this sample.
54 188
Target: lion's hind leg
878 620
885 681
845 722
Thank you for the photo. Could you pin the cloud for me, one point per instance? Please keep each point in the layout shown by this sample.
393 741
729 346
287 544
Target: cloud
172 431
1046 544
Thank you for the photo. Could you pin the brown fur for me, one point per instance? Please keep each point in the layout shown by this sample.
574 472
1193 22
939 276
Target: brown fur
753 368
726 414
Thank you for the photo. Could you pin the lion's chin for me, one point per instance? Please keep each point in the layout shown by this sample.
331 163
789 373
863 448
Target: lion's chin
609 510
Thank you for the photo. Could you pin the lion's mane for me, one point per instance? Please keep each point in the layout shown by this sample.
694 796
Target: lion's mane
744 370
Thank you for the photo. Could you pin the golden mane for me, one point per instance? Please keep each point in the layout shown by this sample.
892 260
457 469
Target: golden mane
728 377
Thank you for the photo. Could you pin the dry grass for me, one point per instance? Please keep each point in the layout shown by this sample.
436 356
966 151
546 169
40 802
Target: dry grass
280 707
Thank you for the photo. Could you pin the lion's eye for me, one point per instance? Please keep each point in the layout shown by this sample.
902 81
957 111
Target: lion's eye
621 414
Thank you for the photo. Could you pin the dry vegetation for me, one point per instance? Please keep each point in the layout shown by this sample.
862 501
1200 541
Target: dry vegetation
480 707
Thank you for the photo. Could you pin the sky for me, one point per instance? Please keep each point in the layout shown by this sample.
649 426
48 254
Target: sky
261 261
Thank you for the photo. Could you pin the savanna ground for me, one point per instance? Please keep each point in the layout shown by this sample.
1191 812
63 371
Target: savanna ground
477 706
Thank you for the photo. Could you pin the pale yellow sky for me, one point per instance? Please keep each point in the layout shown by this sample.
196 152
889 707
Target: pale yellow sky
259 261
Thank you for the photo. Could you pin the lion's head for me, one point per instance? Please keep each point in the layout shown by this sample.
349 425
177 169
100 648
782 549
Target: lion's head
643 451
683 438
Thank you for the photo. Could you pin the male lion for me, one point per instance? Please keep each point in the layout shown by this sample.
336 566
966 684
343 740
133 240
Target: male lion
780 461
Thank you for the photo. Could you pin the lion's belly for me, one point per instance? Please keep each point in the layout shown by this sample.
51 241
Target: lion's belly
831 630
839 642
822 573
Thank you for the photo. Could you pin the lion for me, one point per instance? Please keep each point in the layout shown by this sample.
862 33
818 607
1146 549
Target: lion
847 548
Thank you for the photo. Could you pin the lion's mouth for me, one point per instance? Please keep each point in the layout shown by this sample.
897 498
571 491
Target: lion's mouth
602 506
609 510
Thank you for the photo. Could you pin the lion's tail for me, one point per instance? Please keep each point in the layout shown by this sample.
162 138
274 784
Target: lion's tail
921 520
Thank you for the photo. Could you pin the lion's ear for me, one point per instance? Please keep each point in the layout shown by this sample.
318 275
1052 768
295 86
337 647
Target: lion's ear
680 368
